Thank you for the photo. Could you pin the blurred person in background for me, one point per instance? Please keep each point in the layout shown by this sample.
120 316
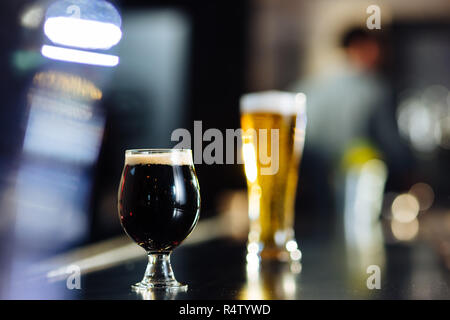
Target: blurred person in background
351 105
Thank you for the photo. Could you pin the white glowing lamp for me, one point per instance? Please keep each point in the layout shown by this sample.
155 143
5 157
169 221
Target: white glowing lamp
76 27
80 33
85 24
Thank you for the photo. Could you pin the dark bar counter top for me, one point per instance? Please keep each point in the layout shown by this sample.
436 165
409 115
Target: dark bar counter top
217 269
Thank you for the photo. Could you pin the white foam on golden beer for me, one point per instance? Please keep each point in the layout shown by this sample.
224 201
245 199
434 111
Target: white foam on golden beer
164 158
285 103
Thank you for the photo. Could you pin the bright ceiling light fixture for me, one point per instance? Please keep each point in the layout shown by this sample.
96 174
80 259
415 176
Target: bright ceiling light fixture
80 33
79 56
74 26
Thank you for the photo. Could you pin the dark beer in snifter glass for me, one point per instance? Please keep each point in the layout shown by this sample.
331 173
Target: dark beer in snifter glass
159 205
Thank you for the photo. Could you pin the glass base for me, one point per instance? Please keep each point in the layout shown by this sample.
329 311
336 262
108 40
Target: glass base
287 253
274 254
159 291
169 286
159 275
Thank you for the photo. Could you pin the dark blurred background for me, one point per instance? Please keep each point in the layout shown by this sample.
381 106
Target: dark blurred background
64 126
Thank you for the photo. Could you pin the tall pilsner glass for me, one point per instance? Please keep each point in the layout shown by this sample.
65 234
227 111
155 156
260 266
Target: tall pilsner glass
273 125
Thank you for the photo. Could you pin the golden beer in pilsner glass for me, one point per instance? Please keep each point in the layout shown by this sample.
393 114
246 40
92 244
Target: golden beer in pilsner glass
273 125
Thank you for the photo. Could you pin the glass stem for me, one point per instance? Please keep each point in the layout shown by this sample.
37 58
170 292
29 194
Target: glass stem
159 270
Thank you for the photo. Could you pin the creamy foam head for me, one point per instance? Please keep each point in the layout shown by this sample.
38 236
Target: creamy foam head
285 103
176 158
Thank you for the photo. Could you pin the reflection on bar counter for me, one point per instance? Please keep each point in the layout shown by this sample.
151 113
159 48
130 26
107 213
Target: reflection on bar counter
364 177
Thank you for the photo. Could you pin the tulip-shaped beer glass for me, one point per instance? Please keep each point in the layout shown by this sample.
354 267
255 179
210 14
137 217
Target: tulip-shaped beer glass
159 204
